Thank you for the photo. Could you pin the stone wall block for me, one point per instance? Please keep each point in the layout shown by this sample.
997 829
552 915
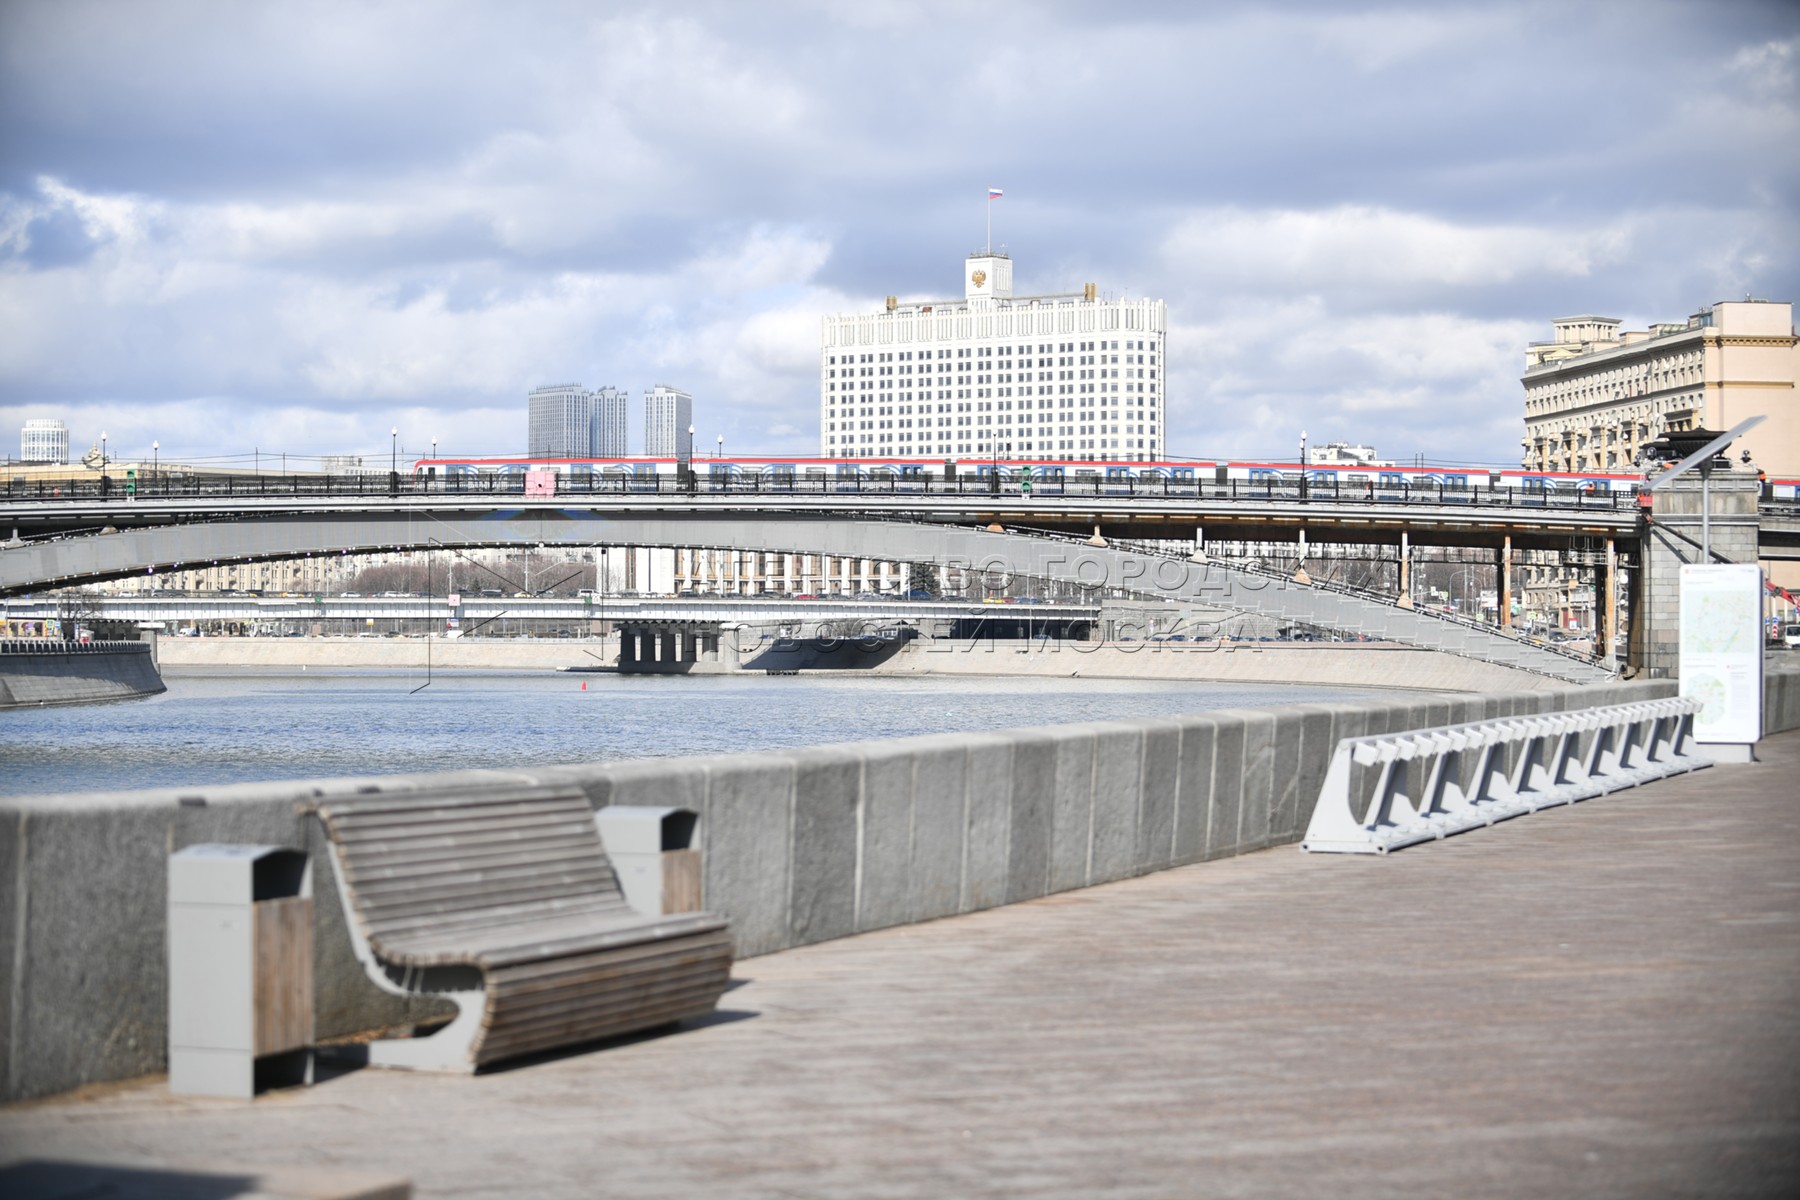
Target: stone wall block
1258 780
745 848
826 842
887 815
940 816
1033 817
92 984
1158 795
987 849
1194 795
1118 776
1227 785
1071 834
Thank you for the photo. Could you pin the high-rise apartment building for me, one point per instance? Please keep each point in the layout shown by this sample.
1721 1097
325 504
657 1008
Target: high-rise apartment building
561 420
44 440
1595 395
1058 376
567 421
668 423
610 422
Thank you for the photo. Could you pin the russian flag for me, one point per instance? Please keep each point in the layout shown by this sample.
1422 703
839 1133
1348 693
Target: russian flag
995 193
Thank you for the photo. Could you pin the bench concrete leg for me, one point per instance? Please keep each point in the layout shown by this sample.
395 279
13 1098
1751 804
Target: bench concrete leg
446 1050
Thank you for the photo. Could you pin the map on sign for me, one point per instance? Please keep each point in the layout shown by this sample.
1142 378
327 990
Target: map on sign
1721 623
1721 649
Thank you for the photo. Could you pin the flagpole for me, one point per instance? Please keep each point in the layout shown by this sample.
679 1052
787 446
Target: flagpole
990 221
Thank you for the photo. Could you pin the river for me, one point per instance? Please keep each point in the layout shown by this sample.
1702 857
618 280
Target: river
226 725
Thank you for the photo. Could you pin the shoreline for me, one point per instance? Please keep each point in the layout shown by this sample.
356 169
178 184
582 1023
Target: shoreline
1326 664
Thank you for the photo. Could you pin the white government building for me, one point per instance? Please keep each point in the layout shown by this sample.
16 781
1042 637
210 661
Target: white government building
1059 376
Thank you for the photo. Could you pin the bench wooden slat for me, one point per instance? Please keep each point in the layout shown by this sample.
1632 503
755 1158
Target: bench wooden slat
454 825
510 945
427 856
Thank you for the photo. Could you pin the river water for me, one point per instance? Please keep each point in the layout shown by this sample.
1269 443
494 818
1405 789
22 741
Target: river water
238 725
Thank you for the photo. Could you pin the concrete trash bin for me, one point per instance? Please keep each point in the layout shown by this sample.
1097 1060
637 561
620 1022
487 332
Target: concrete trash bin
240 969
652 852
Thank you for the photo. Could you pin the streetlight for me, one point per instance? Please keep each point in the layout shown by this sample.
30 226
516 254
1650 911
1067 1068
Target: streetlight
103 451
155 450
394 448
721 453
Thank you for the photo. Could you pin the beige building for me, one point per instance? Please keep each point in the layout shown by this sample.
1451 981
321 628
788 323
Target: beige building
1595 395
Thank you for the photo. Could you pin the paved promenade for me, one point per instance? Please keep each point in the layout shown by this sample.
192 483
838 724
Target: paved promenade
1601 1001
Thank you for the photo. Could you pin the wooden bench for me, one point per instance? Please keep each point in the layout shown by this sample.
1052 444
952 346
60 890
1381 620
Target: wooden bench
501 900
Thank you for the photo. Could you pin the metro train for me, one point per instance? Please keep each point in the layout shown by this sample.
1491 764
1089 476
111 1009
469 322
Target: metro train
1050 478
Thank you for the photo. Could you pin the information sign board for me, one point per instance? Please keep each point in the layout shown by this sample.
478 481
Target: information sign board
1721 649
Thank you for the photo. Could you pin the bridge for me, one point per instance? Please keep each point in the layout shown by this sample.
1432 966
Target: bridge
1132 538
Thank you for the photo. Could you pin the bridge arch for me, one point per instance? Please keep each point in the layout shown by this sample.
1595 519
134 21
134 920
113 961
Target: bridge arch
115 555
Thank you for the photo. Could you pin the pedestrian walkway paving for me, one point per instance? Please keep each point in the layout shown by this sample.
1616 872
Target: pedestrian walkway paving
1597 1001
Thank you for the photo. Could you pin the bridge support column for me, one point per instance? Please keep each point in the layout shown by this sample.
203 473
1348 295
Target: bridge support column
1405 588
1503 578
1606 607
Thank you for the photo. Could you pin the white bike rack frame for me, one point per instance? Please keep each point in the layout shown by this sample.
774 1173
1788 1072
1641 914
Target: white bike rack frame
1561 758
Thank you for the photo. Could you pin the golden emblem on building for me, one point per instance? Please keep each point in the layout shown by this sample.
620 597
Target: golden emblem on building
978 278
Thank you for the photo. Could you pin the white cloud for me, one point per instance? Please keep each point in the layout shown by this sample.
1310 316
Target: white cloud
1363 247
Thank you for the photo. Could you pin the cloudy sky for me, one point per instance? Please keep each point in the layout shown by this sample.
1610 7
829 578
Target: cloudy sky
289 227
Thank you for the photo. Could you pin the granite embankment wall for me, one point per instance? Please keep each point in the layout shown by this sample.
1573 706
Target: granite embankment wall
799 846
1326 664
34 672
491 654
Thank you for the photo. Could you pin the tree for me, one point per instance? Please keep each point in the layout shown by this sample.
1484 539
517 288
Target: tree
923 577
74 609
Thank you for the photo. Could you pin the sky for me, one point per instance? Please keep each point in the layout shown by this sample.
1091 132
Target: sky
259 229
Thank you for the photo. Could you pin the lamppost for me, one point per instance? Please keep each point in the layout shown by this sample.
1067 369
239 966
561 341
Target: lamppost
103 452
155 450
394 448
721 453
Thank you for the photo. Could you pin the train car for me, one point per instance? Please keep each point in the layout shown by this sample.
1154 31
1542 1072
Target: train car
1065 477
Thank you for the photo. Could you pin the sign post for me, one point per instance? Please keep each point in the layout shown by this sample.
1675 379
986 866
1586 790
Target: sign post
1721 656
